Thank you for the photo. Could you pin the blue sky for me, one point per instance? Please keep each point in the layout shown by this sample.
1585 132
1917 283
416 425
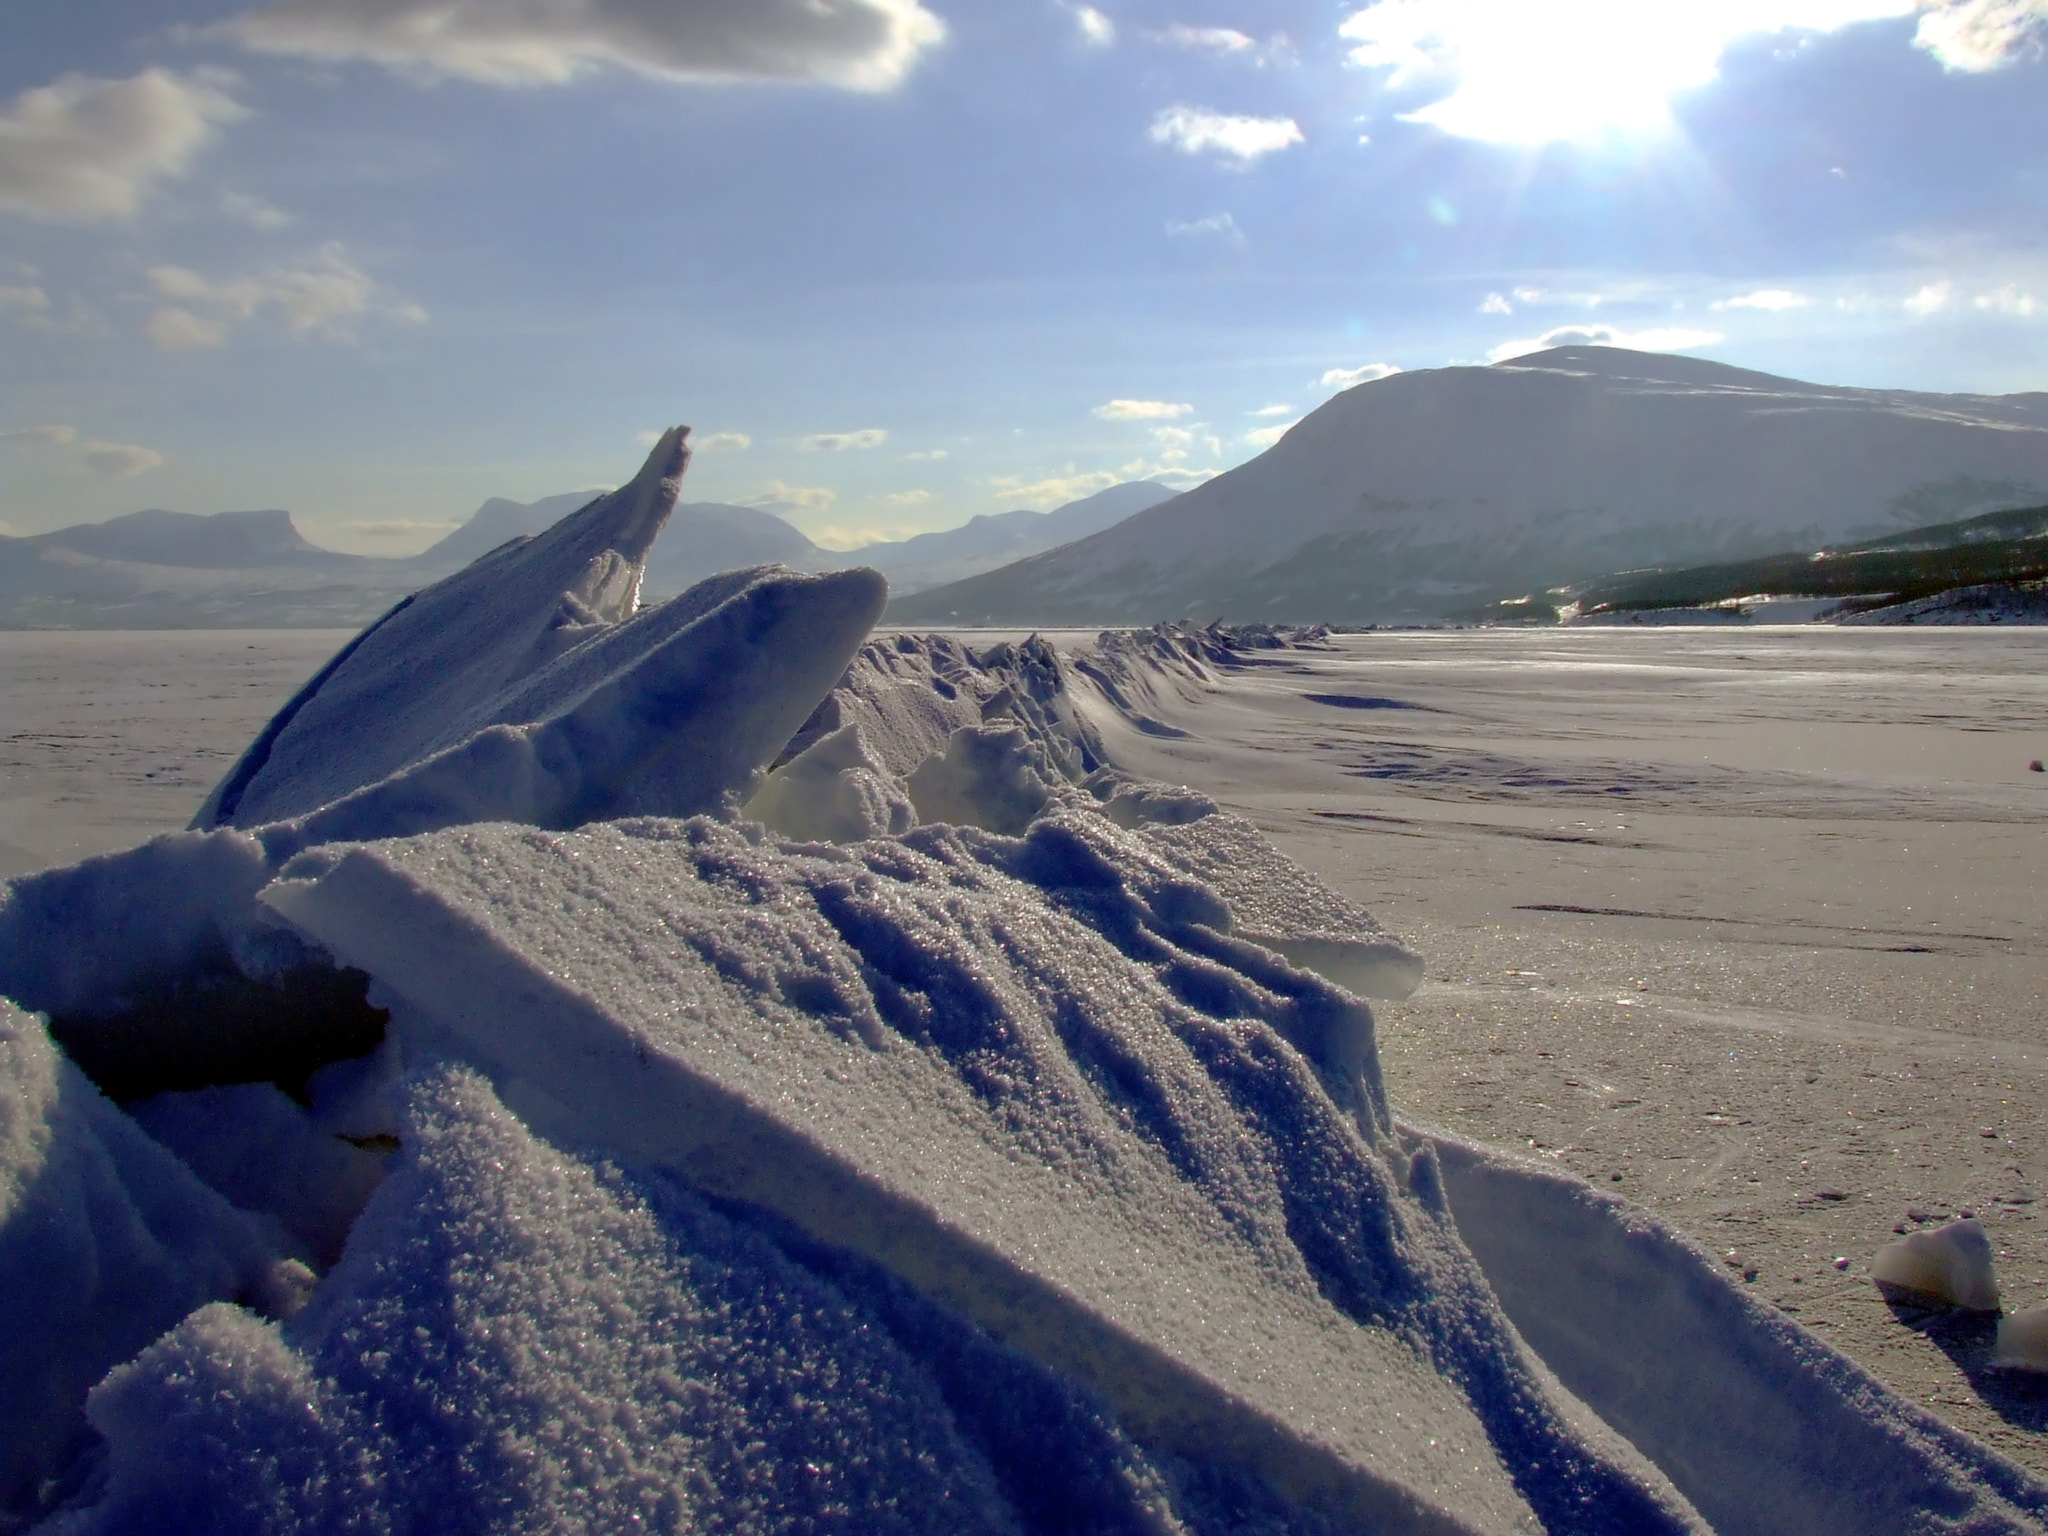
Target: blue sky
899 262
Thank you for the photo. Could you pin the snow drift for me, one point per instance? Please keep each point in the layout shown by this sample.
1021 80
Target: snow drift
704 1068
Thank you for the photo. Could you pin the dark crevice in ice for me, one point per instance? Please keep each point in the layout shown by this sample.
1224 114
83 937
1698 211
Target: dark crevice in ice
213 1026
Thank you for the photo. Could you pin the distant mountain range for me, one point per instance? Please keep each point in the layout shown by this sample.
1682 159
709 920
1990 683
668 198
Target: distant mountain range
1423 496
159 569
997 539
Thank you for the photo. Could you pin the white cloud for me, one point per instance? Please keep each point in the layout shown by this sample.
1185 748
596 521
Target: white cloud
1097 30
843 442
1931 299
48 437
1545 296
1221 41
1509 71
1193 130
1655 339
1976 35
1774 300
2009 300
1178 476
398 527
907 498
1266 437
1176 443
1496 304
1221 225
925 456
83 149
123 460
1364 373
780 498
254 211
863 45
179 330
720 442
1272 410
832 536
1141 410
23 299
323 298
1055 490
1227 43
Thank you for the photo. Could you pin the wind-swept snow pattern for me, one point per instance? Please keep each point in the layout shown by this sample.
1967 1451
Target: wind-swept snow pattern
1034 1079
709 1069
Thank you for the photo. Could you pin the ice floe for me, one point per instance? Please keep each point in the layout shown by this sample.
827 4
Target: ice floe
709 1068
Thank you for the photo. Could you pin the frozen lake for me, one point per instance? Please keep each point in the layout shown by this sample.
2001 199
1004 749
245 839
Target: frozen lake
1745 924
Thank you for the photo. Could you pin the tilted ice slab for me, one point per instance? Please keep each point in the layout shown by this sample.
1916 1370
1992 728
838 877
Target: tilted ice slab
1028 1077
530 687
1765 1427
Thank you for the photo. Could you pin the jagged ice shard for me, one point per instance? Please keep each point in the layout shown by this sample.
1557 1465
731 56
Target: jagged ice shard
707 1069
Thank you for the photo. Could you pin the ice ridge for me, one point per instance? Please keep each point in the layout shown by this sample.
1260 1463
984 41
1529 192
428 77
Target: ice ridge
711 1068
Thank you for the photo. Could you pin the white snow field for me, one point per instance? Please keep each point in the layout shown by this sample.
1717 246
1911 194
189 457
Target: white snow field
704 1068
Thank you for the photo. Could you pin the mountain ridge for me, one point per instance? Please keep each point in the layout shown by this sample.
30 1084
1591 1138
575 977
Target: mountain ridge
1407 498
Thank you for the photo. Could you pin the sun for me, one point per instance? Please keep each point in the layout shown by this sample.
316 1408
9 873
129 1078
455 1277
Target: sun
1516 73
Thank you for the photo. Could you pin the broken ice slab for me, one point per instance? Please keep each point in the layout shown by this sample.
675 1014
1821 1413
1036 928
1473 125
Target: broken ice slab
1947 1266
1762 1425
913 1053
106 1240
415 681
663 715
530 687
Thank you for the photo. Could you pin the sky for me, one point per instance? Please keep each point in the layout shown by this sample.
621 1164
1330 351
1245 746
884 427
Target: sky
902 262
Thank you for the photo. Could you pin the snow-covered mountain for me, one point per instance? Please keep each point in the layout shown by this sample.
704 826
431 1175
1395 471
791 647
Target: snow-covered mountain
703 538
225 541
255 569
179 570
996 539
1422 495
498 520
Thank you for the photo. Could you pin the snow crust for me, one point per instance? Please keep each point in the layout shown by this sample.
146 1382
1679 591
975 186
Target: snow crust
1027 1076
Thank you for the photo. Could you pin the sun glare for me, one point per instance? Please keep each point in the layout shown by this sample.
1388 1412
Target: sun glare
1515 73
